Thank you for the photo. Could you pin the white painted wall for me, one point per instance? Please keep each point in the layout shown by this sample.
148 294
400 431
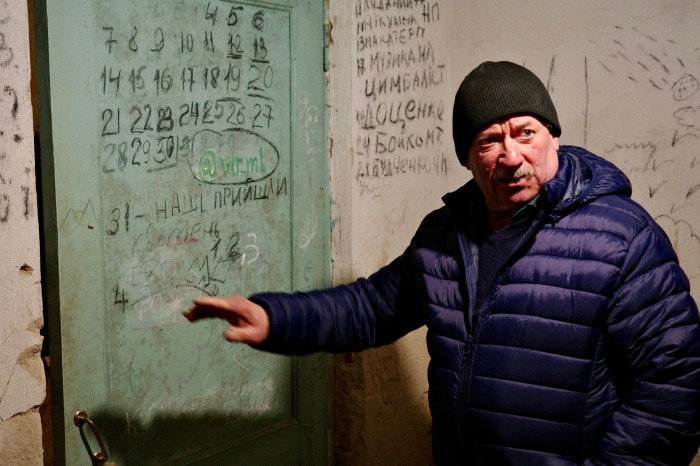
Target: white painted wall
392 160
622 75
22 384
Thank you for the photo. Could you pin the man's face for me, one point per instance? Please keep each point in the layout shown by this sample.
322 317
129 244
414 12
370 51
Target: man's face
511 159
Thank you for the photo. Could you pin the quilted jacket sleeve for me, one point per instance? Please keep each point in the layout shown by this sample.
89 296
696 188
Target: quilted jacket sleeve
654 332
366 313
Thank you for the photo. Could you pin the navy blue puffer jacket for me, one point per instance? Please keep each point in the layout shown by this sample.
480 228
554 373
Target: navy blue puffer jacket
587 350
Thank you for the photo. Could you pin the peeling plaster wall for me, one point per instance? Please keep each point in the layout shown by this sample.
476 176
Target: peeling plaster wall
22 384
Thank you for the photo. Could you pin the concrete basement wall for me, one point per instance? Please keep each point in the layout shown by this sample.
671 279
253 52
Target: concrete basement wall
611 68
22 383
391 162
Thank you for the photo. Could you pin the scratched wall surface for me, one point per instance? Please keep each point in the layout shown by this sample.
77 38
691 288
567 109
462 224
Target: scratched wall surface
21 371
624 77
392 160
401 158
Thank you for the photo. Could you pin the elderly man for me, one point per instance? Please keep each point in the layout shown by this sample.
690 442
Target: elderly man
560 326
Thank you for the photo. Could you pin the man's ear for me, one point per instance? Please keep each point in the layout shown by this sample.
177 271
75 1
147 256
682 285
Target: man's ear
556 142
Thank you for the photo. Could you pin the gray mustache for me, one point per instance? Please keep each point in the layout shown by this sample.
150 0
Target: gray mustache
505 175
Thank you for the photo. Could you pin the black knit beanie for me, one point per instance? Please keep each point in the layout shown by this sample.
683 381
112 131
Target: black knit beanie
494 90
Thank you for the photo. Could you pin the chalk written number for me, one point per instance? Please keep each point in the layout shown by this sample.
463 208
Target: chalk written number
257 77
137 152
143 120
161 120
230 110
111 80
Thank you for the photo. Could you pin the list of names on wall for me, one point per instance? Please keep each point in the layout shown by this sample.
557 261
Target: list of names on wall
399 79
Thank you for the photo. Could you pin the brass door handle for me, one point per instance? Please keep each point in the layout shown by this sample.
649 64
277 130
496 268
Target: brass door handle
100 457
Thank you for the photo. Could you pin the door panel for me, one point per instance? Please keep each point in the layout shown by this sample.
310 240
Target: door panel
186 145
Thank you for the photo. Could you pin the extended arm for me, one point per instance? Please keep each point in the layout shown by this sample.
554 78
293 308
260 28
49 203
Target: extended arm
368 312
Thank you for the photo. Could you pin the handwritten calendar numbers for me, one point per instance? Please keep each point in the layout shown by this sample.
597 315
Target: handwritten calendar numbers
232 19
189 114
158 40
154 120
210 13
118 220
136 79
209 41
110 41
263 116
145 80
234 45
187 79
160 84
120 298
186 42
233 77
133 46
260 50
111 79
165 120
165 148
258 21
236 112
141 152
163 81
260 79
141 118
211 77
110 122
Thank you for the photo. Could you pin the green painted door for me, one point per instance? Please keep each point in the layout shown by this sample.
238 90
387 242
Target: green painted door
183 154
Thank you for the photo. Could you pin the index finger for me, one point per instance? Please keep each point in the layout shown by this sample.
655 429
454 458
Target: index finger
209 307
